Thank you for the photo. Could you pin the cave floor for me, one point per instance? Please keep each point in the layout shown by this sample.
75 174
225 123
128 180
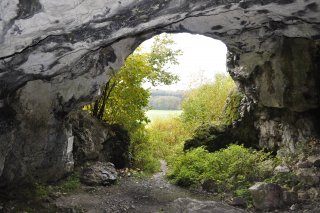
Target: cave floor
131 194
135 195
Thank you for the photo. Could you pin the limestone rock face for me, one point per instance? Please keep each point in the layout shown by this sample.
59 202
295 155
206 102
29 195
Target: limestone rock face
95 140
55 55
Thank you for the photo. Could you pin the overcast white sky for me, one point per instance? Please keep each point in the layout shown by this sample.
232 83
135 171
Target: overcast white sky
202 58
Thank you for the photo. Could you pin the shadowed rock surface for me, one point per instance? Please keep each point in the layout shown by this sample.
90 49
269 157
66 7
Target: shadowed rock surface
188 205
55 55
95 140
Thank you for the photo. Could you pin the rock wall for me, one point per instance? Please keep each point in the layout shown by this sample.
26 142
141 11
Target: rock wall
55 55
95 140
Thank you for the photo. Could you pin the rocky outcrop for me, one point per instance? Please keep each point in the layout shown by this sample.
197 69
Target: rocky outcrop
55 55
95 140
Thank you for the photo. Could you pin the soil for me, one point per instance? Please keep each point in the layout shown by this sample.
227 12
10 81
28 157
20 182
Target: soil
130 194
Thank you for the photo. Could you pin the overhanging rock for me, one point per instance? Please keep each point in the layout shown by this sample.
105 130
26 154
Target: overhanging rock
55 55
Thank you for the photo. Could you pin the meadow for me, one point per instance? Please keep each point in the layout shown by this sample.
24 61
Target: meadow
162 114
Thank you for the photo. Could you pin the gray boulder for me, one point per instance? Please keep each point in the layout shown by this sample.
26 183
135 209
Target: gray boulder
188 205
99 173
267 196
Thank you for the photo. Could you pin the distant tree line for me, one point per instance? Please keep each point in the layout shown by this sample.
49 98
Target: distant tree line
166 99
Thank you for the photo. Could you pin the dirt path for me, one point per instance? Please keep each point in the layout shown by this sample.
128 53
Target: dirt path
129 195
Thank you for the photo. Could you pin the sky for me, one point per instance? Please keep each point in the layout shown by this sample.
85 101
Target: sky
202 58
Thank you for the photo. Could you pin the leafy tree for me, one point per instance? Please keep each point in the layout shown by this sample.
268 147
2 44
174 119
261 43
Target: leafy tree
206 103
123 99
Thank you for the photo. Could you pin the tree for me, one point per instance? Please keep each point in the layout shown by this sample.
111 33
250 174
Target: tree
124 100
206 103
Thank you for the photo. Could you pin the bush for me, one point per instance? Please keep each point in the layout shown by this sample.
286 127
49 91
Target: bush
206 103
143 153
167 137
233 168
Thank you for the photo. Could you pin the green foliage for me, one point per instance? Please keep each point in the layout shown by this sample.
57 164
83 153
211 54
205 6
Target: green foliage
41 191
286 179
143 152
233 168
167 136
69 184
162 114
231 112
162 139
206 103
124 100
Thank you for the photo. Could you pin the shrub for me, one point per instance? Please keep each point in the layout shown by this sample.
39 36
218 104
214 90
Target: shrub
231 112
167 137
206 103
143 154
233 168
69 184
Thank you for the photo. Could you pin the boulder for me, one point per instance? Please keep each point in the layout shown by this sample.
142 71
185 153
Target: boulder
188 205
267 196
98 173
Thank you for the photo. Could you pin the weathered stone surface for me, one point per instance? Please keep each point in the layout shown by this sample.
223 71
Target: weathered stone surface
55 55
96 140
281 169
267 196
188 205
99 173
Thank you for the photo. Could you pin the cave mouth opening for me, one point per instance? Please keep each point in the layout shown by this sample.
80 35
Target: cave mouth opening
145 95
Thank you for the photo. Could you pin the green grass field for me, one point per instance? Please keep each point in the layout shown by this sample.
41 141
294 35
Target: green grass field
159 114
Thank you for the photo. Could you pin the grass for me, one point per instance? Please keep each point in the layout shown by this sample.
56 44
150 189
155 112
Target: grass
160 114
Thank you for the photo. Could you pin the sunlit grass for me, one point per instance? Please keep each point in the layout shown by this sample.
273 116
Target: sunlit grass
162 114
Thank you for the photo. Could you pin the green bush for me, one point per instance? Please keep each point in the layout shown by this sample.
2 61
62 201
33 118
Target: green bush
143 153
69 184
233 168
167 136
231 111
205 104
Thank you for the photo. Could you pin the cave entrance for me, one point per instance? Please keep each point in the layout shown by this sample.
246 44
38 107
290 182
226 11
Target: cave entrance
202 59
180 78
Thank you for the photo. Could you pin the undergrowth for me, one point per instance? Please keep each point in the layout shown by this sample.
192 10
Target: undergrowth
64 186
232 169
